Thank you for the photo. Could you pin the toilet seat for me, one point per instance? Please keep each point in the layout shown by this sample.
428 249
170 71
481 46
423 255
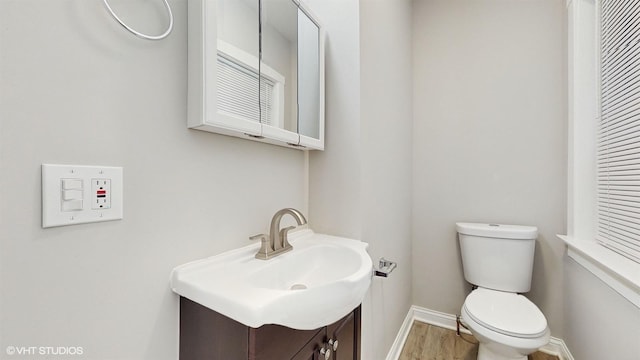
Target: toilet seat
505 313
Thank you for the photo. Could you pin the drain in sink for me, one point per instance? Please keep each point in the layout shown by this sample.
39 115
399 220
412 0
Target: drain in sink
298 287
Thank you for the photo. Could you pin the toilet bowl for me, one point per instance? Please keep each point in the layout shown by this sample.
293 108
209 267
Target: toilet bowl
507 325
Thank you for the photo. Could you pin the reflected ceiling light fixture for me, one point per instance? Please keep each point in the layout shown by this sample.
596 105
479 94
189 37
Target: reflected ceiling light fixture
139 34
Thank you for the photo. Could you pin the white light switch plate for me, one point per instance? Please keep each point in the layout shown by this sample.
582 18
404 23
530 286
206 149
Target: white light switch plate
60 193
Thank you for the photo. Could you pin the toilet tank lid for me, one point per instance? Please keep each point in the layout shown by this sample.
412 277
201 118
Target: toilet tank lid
498 230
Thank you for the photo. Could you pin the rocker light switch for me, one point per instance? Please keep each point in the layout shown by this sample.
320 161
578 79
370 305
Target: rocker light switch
72 205
71 195
71 184
76 194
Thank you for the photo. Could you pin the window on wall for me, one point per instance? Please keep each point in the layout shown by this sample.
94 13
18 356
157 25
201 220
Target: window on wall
618 128
603 202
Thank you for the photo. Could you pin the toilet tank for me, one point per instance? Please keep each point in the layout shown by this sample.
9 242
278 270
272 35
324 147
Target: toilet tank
498 257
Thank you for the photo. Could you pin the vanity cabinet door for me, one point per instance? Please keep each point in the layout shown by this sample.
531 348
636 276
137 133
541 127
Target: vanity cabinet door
275 342
311 351
346 334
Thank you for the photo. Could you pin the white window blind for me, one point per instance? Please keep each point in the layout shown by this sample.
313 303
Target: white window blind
238 91
618 138
266 101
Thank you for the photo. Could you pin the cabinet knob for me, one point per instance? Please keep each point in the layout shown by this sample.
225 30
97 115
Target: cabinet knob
326 352
334 343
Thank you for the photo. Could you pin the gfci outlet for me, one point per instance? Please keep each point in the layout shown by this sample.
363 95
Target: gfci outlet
100 194
77 194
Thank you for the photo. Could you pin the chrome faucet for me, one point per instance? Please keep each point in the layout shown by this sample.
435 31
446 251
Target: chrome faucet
277 241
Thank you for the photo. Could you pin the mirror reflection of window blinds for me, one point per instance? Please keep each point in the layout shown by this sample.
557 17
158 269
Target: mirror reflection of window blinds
266 101
618 143
238 91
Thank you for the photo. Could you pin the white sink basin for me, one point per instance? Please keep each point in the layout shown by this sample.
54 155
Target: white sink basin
322 279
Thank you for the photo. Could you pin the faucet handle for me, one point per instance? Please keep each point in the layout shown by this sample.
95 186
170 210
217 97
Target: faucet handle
284 234
265 246
259 236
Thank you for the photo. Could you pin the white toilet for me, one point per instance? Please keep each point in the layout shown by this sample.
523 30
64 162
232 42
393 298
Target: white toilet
498 259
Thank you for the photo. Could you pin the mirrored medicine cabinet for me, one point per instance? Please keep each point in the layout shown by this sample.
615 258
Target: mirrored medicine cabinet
256 71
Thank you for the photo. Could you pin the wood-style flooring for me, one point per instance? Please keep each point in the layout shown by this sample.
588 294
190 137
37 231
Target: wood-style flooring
428 342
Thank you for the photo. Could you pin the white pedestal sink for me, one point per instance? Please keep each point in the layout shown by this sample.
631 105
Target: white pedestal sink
322 279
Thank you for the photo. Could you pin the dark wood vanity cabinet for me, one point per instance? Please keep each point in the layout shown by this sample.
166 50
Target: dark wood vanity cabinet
208 335
346 332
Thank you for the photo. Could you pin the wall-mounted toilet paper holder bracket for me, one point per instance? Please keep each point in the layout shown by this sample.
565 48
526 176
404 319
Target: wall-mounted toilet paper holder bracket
385 267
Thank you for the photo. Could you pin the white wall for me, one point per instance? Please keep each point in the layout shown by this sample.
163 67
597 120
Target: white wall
489 138
360 186
385 130
599 323
367 150
335 197
335 173
76 88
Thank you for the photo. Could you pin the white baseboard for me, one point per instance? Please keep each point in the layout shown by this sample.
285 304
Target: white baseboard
555 347
401 338
436 318
558 348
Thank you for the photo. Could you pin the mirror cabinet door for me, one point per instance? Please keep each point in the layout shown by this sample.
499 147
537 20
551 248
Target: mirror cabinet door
237 62
291 89
310 86
279 70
